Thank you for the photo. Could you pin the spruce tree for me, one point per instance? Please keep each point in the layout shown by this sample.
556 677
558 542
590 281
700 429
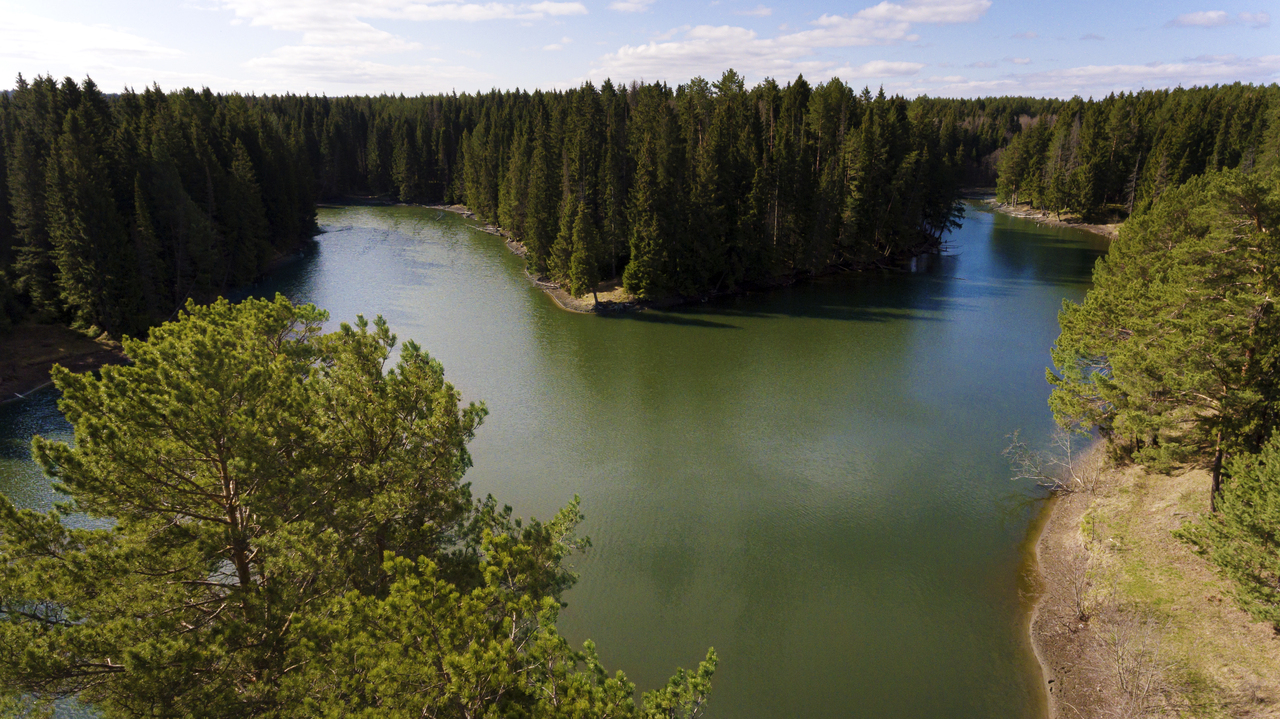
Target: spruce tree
584 264
644 275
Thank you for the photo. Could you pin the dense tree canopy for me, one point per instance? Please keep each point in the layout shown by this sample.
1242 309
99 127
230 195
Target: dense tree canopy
1174 351
283 531
1114 156
120 208
684 191
117 210
1174 355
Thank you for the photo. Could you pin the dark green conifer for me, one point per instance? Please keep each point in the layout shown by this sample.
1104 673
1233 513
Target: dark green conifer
584 264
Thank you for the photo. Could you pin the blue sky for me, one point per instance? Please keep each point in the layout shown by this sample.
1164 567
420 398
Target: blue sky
952 48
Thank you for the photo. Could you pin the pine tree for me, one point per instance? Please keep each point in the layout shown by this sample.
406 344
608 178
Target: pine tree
284 532
1244 539
1171 353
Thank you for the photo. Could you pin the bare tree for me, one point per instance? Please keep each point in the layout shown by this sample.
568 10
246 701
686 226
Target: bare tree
1067 465
1133 642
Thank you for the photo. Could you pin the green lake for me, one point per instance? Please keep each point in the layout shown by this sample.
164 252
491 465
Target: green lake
808 479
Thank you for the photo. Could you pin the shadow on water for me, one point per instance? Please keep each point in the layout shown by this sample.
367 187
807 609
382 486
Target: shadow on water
669 318
928 292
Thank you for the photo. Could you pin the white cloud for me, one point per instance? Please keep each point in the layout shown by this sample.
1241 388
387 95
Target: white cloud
875 69
630 5
981 64
1219 18
37 41
757 11
928 11
708 50
1100 80
337 44
322 69
553 46
1020 60
559 8
1204 18
1256 19
1028 35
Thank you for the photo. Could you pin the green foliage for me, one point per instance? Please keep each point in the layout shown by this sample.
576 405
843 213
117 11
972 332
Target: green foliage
1121 153
281 529
584 264
1244 539
1173 352
117 210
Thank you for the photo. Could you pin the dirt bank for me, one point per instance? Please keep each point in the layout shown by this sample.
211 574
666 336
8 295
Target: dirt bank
1053 219
29 351
1131 622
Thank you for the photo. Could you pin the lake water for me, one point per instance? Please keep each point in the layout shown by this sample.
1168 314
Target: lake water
807 479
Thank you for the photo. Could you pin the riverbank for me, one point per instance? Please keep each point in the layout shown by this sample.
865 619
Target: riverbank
29 351
1053 219
1130 622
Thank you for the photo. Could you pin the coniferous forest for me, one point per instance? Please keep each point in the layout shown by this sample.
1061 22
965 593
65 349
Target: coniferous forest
117 208
286 505
1110 158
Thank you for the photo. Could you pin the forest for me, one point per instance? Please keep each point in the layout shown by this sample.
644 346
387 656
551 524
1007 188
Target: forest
1104 160
685 191
286 500
115 210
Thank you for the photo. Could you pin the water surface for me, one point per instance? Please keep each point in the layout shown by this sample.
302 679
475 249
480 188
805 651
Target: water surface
807 479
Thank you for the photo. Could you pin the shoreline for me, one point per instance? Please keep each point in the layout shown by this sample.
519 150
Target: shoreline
31 350
1054 625
1045 217
614 299
1119 598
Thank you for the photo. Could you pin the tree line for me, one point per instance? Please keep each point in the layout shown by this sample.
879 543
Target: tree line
678 191
1109 158
116 209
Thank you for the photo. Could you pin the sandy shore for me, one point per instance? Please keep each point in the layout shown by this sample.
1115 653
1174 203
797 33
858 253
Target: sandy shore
1053 220
1129 621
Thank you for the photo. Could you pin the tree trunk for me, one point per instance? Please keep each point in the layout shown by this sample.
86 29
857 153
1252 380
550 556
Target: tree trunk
1216 489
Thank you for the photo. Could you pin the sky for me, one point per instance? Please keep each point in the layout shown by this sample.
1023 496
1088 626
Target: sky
943 48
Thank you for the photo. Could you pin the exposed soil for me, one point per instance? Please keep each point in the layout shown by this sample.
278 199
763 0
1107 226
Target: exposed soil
1131 622
1063 641
29 351
1053 219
